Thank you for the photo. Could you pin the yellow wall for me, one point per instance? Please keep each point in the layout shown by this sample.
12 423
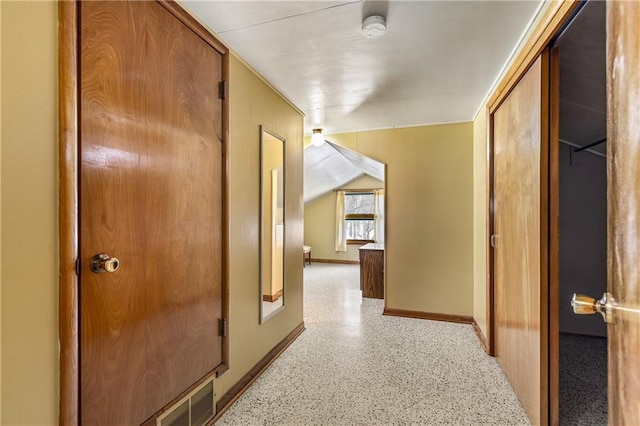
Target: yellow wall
253 103
480 218
429 202
29 196
29 238
0 212
272 155
320 223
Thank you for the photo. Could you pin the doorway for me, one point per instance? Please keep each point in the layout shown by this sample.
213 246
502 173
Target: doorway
539 272
582 253
344 209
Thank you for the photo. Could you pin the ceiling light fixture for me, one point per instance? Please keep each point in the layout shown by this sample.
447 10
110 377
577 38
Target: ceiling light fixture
317 138
374 26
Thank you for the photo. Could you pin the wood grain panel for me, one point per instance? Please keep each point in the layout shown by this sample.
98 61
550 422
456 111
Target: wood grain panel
151 195
623 172
520 293
372 273
194 25
557 14
68 215
554 238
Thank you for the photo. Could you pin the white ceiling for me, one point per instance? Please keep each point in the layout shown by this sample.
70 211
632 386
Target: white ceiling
435 64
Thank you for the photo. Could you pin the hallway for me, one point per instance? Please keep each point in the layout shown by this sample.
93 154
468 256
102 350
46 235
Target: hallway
353 366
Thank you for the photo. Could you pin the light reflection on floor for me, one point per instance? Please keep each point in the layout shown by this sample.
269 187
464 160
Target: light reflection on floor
354 366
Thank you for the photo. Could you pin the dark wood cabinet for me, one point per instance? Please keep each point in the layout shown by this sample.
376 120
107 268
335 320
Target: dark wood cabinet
372 270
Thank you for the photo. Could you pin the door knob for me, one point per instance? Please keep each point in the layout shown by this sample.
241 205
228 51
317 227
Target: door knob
585 305
104 263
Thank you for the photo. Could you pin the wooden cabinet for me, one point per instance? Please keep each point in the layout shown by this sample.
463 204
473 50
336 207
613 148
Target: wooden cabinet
372 270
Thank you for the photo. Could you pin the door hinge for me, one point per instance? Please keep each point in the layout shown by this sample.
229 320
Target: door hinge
223 327
78 266
222 89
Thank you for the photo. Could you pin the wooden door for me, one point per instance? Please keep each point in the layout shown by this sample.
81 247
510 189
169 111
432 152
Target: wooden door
151 196
623 171
520 194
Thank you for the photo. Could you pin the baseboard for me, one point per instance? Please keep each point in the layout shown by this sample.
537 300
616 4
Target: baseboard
271 297
427 315
480 334
243 384
340 261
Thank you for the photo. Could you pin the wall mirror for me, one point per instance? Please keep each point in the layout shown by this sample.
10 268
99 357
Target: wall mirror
272 224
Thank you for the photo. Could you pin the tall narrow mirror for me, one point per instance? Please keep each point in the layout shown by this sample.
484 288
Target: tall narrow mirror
271 224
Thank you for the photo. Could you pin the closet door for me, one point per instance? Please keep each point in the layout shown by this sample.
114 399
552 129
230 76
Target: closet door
520 211
623 171
151 197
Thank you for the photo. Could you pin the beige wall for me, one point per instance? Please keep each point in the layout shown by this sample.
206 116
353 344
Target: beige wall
29 238
480 220
253 103
429 202
320 223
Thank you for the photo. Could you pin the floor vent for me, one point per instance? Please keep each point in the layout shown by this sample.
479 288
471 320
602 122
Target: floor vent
193 410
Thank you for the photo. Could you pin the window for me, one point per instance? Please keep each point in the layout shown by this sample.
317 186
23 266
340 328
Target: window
359 213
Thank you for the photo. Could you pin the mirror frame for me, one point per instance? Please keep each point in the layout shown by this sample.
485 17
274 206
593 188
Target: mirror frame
261 317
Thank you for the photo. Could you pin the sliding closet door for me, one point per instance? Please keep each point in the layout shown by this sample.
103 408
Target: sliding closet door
520 197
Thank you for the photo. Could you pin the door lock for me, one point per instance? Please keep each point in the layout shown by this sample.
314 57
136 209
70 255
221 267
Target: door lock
104 263
585 305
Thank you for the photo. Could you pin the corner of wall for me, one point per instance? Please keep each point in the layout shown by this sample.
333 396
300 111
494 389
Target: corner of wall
480 219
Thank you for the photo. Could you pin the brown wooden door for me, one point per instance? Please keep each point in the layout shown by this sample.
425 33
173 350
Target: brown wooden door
623 172
150 195
520 149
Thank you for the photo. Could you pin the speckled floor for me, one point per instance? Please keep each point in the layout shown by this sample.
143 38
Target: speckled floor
353 366
583 380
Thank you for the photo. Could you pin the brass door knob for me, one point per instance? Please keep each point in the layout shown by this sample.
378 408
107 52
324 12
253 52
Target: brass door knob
585 305
104 263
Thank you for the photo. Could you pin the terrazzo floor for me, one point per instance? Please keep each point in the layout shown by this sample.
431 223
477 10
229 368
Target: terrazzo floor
354 366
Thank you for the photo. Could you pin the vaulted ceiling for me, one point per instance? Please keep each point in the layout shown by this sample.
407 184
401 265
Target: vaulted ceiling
330 166
435 64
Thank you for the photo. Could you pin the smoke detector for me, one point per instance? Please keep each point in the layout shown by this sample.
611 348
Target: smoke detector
374 26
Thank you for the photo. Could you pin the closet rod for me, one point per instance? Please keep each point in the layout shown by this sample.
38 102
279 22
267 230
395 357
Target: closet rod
582 148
